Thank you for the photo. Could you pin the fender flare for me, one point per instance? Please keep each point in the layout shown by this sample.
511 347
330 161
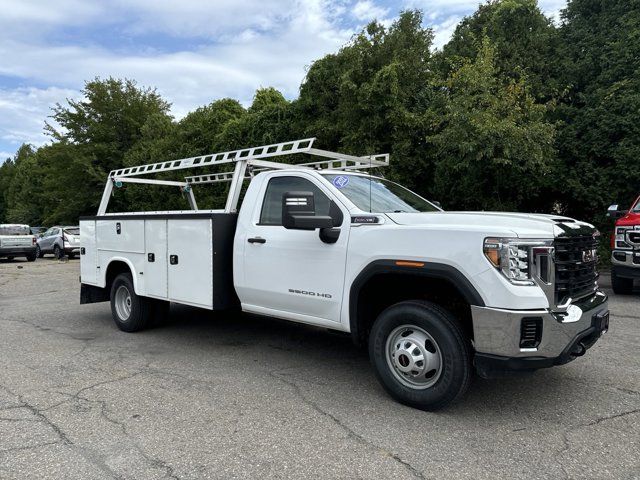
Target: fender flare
428 270
131 269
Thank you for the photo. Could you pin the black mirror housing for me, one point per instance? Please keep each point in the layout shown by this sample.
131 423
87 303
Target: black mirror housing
299 212
613 212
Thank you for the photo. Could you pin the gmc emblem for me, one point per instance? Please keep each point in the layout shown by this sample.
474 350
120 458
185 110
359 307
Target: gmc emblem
589 256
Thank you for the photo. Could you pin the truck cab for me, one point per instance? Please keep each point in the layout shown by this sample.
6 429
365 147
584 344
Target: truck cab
432 294
625 247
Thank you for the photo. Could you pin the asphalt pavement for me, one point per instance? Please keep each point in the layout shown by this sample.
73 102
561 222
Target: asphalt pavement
237 396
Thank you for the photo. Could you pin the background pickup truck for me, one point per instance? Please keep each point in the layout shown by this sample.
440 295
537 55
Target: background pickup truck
432 294
17 241
625 247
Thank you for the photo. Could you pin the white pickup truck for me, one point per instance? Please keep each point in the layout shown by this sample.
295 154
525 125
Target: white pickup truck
433 294
16 240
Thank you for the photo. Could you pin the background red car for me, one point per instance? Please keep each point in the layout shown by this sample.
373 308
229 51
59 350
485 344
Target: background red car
625 247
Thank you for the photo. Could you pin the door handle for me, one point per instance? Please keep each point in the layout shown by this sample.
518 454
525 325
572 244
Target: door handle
257 240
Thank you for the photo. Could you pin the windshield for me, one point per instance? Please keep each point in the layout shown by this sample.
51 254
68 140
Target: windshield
377 195
14 230
636 207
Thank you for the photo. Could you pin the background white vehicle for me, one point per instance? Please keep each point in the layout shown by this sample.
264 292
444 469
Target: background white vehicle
59 241
16 240
433 294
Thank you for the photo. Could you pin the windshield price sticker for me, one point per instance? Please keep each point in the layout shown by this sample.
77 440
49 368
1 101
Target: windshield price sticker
340 181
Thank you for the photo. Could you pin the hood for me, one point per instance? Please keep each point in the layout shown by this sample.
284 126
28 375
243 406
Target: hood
629 220
523 225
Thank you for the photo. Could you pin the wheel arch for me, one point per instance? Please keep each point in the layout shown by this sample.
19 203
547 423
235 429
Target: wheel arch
115 267
383 283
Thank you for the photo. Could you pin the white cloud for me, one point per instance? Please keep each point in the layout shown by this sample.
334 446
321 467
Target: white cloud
200 51
366 11
443 30
23 112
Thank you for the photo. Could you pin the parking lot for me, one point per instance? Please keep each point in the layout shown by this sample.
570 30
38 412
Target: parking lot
236 396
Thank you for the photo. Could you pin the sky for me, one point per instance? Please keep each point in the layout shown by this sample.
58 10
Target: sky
192 51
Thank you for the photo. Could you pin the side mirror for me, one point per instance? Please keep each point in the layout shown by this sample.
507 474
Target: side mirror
299 212
436 203
613 212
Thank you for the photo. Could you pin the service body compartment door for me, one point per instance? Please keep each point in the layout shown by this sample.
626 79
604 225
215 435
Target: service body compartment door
190 256
155 245
88 259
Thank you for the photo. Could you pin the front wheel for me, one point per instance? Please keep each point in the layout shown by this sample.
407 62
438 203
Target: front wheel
420 355
130 312
57 252
39 253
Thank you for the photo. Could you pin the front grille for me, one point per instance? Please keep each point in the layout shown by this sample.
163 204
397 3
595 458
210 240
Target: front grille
634 237
530 332
576 272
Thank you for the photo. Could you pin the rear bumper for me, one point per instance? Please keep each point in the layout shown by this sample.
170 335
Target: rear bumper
17 251
564 336
69 249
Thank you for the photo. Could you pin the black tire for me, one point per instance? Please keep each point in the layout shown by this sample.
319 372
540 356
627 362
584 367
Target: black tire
72 256
58 252
455 369
139 307
39 253
31 257
621 285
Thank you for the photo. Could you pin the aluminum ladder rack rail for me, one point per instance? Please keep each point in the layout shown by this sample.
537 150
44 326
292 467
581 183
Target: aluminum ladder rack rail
256 158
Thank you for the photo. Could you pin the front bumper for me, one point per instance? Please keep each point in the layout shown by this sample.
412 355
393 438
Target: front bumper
17 251
626 271
564 336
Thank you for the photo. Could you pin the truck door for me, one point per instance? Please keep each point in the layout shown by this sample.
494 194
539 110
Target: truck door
292 273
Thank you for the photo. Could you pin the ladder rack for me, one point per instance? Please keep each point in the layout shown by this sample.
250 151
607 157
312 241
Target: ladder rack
248 160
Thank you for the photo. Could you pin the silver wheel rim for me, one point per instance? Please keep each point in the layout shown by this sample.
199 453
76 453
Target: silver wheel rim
123 303
414 357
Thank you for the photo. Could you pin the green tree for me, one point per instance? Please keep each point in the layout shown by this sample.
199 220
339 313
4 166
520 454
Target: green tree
524 39
375 95
7 170
493 145
24 188
96 133
599 137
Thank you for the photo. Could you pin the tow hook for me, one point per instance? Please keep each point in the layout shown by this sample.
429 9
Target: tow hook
579 350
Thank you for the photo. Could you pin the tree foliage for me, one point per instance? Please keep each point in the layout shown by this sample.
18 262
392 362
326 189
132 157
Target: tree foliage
514 113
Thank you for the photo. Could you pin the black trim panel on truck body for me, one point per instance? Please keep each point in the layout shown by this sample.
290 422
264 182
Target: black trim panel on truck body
428 270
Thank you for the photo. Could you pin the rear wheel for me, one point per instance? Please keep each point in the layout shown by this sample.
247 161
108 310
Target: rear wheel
420 355
621 285
130 311
31 257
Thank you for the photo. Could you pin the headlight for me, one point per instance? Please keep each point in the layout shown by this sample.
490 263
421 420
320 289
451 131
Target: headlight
620 241
511 257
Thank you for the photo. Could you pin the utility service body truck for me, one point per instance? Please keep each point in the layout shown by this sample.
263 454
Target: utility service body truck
433 294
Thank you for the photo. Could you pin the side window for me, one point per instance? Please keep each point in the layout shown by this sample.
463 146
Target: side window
55 231
272 205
